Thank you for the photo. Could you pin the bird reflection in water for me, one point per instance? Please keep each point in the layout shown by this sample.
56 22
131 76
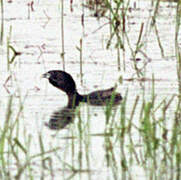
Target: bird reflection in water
61 118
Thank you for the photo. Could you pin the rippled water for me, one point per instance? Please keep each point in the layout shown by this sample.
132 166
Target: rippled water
35 32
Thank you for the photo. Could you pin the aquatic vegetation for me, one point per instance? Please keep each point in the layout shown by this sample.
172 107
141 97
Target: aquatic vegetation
139 137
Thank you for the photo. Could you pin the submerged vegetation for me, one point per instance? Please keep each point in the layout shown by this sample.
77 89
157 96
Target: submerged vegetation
141 137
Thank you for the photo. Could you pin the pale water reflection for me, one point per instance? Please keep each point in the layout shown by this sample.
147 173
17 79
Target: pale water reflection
93 146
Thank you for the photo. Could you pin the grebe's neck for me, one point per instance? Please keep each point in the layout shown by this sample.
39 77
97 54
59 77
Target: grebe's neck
75 98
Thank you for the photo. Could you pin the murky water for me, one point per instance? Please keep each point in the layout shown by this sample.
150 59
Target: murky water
34 30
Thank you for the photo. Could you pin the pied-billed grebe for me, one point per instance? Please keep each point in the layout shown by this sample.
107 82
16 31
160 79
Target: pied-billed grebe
65 82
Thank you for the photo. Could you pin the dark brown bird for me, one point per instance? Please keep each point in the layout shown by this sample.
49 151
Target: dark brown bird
65 82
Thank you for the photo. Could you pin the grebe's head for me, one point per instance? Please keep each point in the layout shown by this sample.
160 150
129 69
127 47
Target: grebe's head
61 80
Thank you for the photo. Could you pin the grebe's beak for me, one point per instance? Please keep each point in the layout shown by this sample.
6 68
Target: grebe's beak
46 75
